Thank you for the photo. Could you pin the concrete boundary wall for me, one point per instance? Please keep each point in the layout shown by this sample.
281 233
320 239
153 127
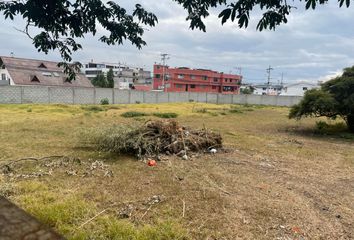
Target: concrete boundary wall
77 95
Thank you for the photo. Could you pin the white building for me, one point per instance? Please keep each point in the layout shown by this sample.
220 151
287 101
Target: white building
298 89
265 89
124 77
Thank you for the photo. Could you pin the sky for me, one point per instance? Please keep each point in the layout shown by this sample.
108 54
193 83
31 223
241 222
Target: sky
312 46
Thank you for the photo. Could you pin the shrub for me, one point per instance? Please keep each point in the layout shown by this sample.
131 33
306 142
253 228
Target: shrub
104 101
325 128
29 110
132 114
166 115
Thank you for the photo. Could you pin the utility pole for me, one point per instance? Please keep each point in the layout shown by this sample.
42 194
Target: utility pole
268 83
282 78
164 57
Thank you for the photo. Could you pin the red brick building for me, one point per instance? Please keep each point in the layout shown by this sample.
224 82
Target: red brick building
195 80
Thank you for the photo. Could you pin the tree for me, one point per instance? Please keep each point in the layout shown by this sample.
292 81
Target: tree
247 90
62 22
110 79
334 99
100 81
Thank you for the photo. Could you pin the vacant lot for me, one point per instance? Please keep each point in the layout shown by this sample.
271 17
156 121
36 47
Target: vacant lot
277 180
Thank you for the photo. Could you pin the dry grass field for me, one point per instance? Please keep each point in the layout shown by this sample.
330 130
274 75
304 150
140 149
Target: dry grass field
277 179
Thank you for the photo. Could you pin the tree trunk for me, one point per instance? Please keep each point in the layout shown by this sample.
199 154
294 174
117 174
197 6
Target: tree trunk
350 122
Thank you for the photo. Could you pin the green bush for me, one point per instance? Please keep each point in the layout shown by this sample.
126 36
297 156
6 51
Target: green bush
104 101
166 115
132 114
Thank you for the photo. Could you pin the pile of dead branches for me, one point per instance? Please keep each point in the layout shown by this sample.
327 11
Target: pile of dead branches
156 137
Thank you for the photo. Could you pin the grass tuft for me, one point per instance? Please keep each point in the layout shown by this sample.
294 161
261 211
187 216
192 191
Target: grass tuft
166 115
132 114
92 108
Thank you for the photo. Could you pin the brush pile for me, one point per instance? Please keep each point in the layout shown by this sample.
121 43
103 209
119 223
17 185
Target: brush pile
155 138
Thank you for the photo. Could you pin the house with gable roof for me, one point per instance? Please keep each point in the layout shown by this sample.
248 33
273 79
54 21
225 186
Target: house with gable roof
21 71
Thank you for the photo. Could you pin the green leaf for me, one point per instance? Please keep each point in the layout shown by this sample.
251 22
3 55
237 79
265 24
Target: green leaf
225 15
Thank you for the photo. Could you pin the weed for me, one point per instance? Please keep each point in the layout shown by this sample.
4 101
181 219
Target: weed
87 114
166 115
201 110
92 108
61 105
235 110
29 110
112 107
104 101
6 189
132 114
214 114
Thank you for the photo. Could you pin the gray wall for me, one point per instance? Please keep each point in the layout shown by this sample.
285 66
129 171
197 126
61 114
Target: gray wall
76 95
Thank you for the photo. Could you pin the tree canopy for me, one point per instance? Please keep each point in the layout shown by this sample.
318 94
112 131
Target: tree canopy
110 78
63 22
100 81
335 98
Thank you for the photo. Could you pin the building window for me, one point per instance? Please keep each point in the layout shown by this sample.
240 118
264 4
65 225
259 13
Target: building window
192 86
192 77
180 76
88 72
203 86
42 66
264 88
47 74
3 76
205 77
304 88
216 80
157 76
158 67
34 78
179 85
213 87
